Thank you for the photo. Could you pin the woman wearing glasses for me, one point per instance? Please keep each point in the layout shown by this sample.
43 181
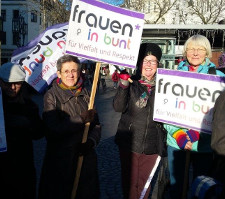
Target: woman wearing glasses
197 51
141 141
65 114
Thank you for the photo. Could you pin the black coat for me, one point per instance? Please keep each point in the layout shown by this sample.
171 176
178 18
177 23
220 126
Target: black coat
218 126
62 116
22 125
137 132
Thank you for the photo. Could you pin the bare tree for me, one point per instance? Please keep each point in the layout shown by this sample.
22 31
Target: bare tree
155 10
203 11
135 5
55 11
162 7
51 11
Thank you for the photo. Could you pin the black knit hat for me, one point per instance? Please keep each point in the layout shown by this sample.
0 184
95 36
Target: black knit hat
147 48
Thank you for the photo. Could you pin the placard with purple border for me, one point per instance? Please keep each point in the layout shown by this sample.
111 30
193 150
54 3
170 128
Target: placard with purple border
3 145
104 33
38 58
186 99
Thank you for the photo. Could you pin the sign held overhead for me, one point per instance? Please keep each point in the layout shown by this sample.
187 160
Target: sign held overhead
104 33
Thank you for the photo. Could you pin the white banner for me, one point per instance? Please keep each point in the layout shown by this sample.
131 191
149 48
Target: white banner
3 145
186 99
104 33
39 57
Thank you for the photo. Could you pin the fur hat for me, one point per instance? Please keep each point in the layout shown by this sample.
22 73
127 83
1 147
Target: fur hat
146 48
10 72
221 60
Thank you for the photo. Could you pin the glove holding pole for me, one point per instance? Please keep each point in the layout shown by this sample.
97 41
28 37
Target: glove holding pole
125 79
88 116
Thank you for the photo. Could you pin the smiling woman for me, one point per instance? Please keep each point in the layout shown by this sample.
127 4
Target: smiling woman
197 51
141 141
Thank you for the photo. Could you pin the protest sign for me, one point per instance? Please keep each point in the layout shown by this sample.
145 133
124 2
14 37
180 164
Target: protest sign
3 145
104 33
38 58
186 99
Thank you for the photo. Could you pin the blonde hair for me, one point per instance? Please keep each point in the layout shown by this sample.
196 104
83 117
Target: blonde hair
199 40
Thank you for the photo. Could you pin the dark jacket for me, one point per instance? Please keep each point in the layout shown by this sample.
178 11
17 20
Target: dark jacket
137 132
22 125
218 126
62 116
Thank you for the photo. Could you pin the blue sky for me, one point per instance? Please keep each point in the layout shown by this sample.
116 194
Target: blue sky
113 2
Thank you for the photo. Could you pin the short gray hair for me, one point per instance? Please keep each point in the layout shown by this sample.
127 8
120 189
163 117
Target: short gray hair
201 41
67 58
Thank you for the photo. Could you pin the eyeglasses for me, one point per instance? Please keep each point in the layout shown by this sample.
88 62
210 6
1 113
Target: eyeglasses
67 72
193 50
152 62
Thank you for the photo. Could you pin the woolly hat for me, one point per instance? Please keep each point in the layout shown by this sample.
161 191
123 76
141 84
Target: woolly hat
221 60
147 48
10 72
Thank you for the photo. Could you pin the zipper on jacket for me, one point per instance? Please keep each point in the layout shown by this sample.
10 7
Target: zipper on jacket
146 131
130 126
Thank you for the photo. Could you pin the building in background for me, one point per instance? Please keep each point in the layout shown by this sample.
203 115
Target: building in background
21 23
170 23
167 22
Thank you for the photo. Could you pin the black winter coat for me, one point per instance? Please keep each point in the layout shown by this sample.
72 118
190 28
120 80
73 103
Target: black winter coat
137 132
22 125
218 126
62 116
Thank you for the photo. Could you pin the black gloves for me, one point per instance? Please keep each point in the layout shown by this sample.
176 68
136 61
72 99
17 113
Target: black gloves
88 116
85 148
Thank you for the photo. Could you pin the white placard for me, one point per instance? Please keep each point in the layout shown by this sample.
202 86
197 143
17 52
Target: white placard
38 58
186 99
104 33
3 145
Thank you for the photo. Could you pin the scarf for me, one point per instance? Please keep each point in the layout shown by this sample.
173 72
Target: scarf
185 66
72 90
148 83
143 99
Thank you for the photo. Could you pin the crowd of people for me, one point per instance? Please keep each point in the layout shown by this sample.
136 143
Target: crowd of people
146 147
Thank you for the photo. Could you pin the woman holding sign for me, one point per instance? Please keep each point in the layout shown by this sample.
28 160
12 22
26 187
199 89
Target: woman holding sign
65 114
197 51
141 141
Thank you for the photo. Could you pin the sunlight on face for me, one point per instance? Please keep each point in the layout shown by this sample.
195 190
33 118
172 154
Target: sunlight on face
149 66
69 73
195 54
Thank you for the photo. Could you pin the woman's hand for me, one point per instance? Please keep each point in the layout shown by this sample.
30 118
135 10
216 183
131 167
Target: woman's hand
124 78
88 116
188 145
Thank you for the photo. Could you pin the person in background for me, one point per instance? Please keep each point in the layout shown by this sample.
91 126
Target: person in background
218 135
197 51
141 141
221 62
65 114
22 125
115 79
101 80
